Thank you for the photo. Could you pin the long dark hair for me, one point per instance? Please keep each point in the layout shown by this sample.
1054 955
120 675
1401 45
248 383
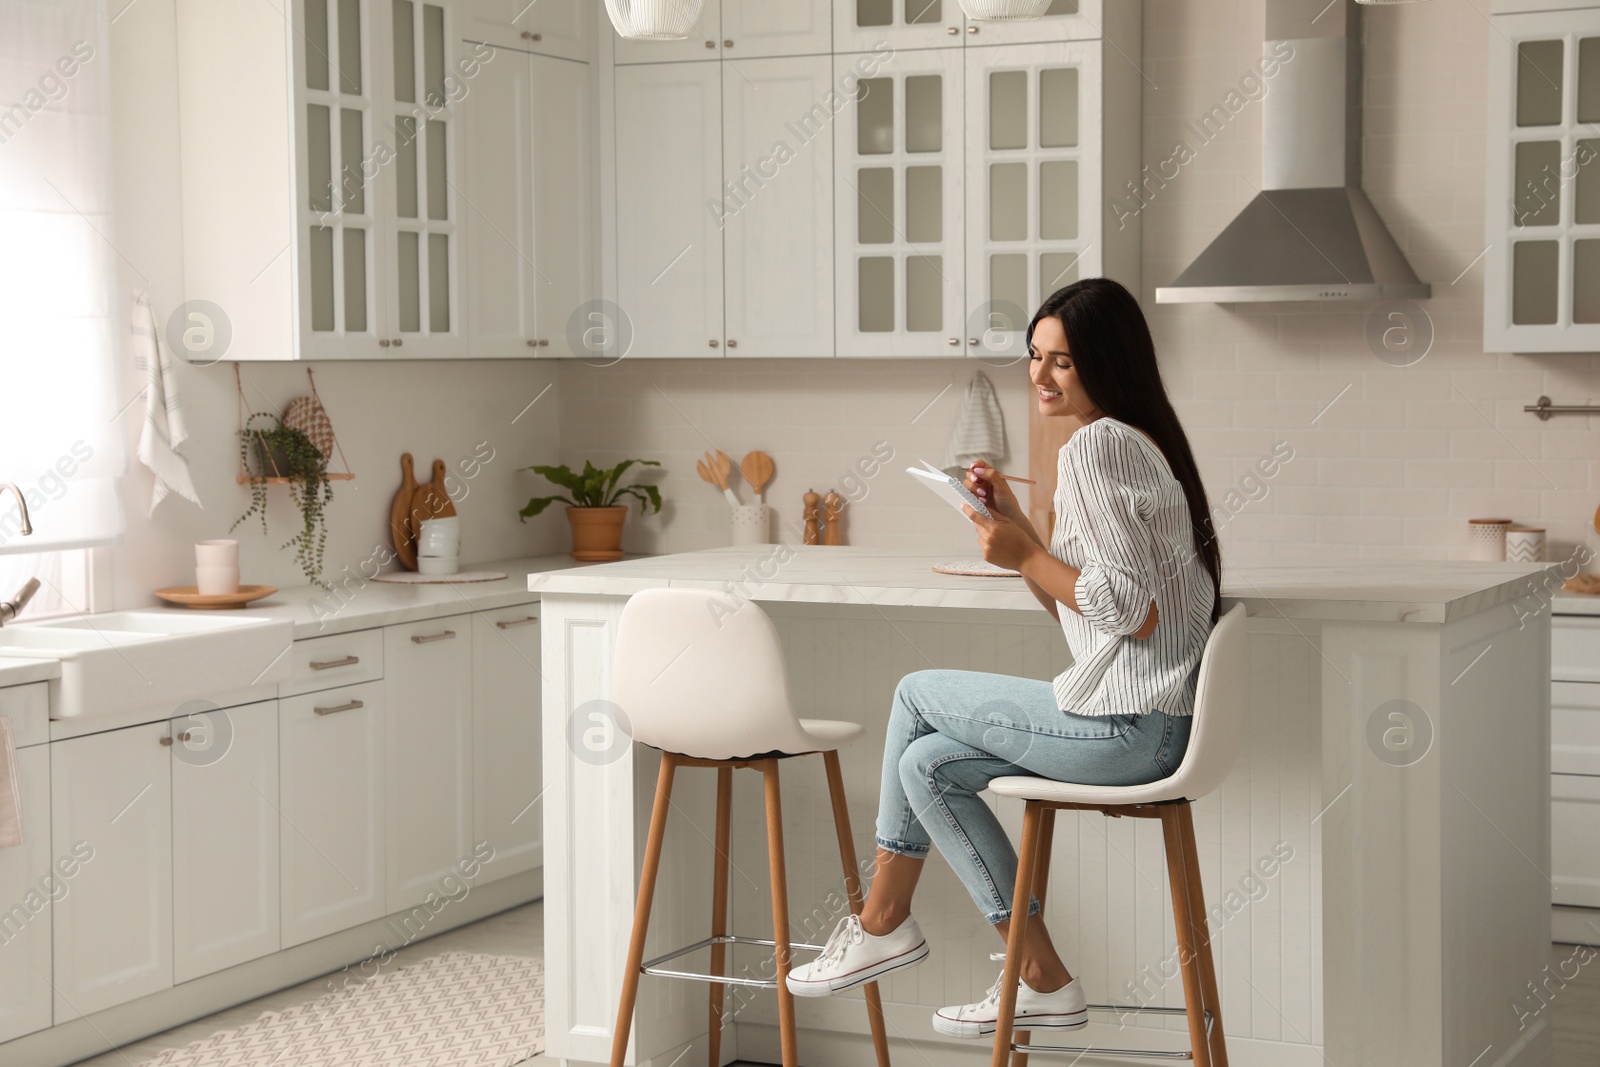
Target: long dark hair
1115 359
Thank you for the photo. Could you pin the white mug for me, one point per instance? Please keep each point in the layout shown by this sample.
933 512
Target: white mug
220 553
217 581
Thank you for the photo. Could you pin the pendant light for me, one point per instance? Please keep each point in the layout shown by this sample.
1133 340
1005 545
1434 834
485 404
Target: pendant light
1003 10
654 20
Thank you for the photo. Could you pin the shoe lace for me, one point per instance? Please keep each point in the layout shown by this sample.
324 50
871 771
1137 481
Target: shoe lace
991 999
847 933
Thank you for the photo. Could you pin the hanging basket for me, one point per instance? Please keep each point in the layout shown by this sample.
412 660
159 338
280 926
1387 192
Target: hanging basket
1004 10
654 20
305 414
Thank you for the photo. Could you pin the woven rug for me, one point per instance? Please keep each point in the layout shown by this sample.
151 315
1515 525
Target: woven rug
457 1009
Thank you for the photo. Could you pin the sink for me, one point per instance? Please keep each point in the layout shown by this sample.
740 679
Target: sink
128 661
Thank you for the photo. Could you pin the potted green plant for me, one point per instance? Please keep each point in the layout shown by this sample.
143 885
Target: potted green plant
269 450
592 509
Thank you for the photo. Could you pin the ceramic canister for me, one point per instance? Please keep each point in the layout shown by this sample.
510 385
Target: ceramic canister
1486 539
1525 544
751 523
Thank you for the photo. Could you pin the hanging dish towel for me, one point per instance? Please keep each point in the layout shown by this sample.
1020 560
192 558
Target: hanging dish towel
10 788
980 429
164 431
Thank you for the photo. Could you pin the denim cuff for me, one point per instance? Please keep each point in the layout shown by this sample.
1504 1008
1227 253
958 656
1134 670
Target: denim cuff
994 917
902 848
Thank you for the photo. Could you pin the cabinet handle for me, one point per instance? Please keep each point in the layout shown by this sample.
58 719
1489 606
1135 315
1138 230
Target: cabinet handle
951 30
398 342
972 29
512 624
167 742
330 664
712 342
532 343
972 340
955 340
526 36
732 343
443 635
544 342
711 44
727 43
383 342
351 705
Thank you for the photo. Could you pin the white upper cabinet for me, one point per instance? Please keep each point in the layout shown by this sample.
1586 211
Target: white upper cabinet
704 40
864 25
1542 271
531 217
752 28
563 28
899 173
1063 20
669 188
777 151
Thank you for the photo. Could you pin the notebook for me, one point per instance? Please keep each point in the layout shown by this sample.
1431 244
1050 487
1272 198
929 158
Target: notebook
948 489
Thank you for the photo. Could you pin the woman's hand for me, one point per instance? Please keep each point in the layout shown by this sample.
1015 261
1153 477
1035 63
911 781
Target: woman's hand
995 492
1003 542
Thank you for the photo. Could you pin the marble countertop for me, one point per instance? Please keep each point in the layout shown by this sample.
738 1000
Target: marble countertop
1565 603
23 671
1374 591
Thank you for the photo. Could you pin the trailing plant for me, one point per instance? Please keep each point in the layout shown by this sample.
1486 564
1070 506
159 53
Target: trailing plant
596 487
285 452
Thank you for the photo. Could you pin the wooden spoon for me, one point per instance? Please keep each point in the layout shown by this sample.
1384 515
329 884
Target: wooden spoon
757 470
718 465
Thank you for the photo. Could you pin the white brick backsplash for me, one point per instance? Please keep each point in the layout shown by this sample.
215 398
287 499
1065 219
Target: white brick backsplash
1359 529
1408 503
1411 444
1452 473
1361 472
1314 500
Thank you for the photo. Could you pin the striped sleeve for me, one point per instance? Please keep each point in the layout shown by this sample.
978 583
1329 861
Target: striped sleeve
1109 482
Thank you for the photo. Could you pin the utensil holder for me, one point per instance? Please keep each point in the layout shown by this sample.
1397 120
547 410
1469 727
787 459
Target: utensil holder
751 524
1524 544
1486 539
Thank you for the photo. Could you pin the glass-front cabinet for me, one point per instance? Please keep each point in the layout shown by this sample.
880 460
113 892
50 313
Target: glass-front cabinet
1542 276
860 25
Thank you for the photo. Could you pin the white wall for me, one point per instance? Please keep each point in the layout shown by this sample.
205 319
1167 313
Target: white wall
432 409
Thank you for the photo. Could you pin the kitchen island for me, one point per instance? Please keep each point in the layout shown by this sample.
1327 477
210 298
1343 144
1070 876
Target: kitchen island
1375 867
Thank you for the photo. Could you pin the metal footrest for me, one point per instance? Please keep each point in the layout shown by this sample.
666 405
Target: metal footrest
1121 1009
654 966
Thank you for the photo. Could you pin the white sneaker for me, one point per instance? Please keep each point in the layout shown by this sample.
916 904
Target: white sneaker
1063 1008
853 956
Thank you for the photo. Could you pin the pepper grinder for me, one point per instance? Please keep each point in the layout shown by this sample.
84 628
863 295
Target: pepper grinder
833 524
811 515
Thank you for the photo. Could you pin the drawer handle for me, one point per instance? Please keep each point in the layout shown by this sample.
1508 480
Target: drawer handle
512 624
422 639
348 706
330 664
168 741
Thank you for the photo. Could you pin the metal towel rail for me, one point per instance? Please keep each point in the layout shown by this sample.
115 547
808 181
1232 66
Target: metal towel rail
1544 409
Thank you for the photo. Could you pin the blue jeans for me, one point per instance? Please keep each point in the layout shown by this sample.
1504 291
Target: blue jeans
952 732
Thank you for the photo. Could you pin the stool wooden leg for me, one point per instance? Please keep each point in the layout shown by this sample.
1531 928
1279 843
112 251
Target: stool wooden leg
1202 929
852 888
1041 882
780 913
641 911
719 906
1183 916
1027 855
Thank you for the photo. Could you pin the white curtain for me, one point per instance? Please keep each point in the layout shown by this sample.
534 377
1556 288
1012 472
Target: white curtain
60 424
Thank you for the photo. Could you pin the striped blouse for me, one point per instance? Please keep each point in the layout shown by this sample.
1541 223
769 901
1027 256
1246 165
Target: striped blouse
1122 520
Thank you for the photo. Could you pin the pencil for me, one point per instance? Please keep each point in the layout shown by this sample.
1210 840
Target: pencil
1008 477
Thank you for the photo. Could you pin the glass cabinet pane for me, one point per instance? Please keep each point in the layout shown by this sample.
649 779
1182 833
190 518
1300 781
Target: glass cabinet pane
924 205
410 286
439 282
1008 201
350 47
1538 183
352 183
355 280
1586 186
874 12
319 157
1008 109
1534 275
433 53
875 116
1058 108
1062 7
924 113
1589 79
1056 269
405 53
316 34
921 11
875 294
1539 83
438 191
1586 281
405 167
1008 291
321 278
924 293
1058 200
875 213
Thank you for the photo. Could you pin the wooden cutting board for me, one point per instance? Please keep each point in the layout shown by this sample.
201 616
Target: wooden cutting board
431 500
401 533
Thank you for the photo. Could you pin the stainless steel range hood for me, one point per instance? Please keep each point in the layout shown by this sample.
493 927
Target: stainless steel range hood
1311 233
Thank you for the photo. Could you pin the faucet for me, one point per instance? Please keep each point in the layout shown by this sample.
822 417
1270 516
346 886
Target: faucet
10 609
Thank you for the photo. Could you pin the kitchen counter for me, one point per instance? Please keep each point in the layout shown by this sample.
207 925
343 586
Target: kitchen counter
1397 739
23 671
1565 603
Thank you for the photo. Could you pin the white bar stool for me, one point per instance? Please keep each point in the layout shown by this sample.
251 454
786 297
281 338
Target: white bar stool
702 678
1214 740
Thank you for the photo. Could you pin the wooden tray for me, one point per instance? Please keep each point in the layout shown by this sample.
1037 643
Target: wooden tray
190 596
977 568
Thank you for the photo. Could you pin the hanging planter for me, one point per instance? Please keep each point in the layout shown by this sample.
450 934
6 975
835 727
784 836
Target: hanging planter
1004 10
654 20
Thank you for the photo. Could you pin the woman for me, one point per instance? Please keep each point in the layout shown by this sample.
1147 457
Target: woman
1131 571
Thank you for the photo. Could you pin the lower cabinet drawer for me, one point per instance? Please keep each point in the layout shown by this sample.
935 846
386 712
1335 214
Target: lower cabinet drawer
1575 648
1575 839
1575 728
338 659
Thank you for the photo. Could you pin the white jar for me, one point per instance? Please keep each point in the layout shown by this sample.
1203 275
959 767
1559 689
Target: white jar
1486 539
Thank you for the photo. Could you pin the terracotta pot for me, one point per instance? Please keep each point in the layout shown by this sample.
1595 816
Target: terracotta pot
597 533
